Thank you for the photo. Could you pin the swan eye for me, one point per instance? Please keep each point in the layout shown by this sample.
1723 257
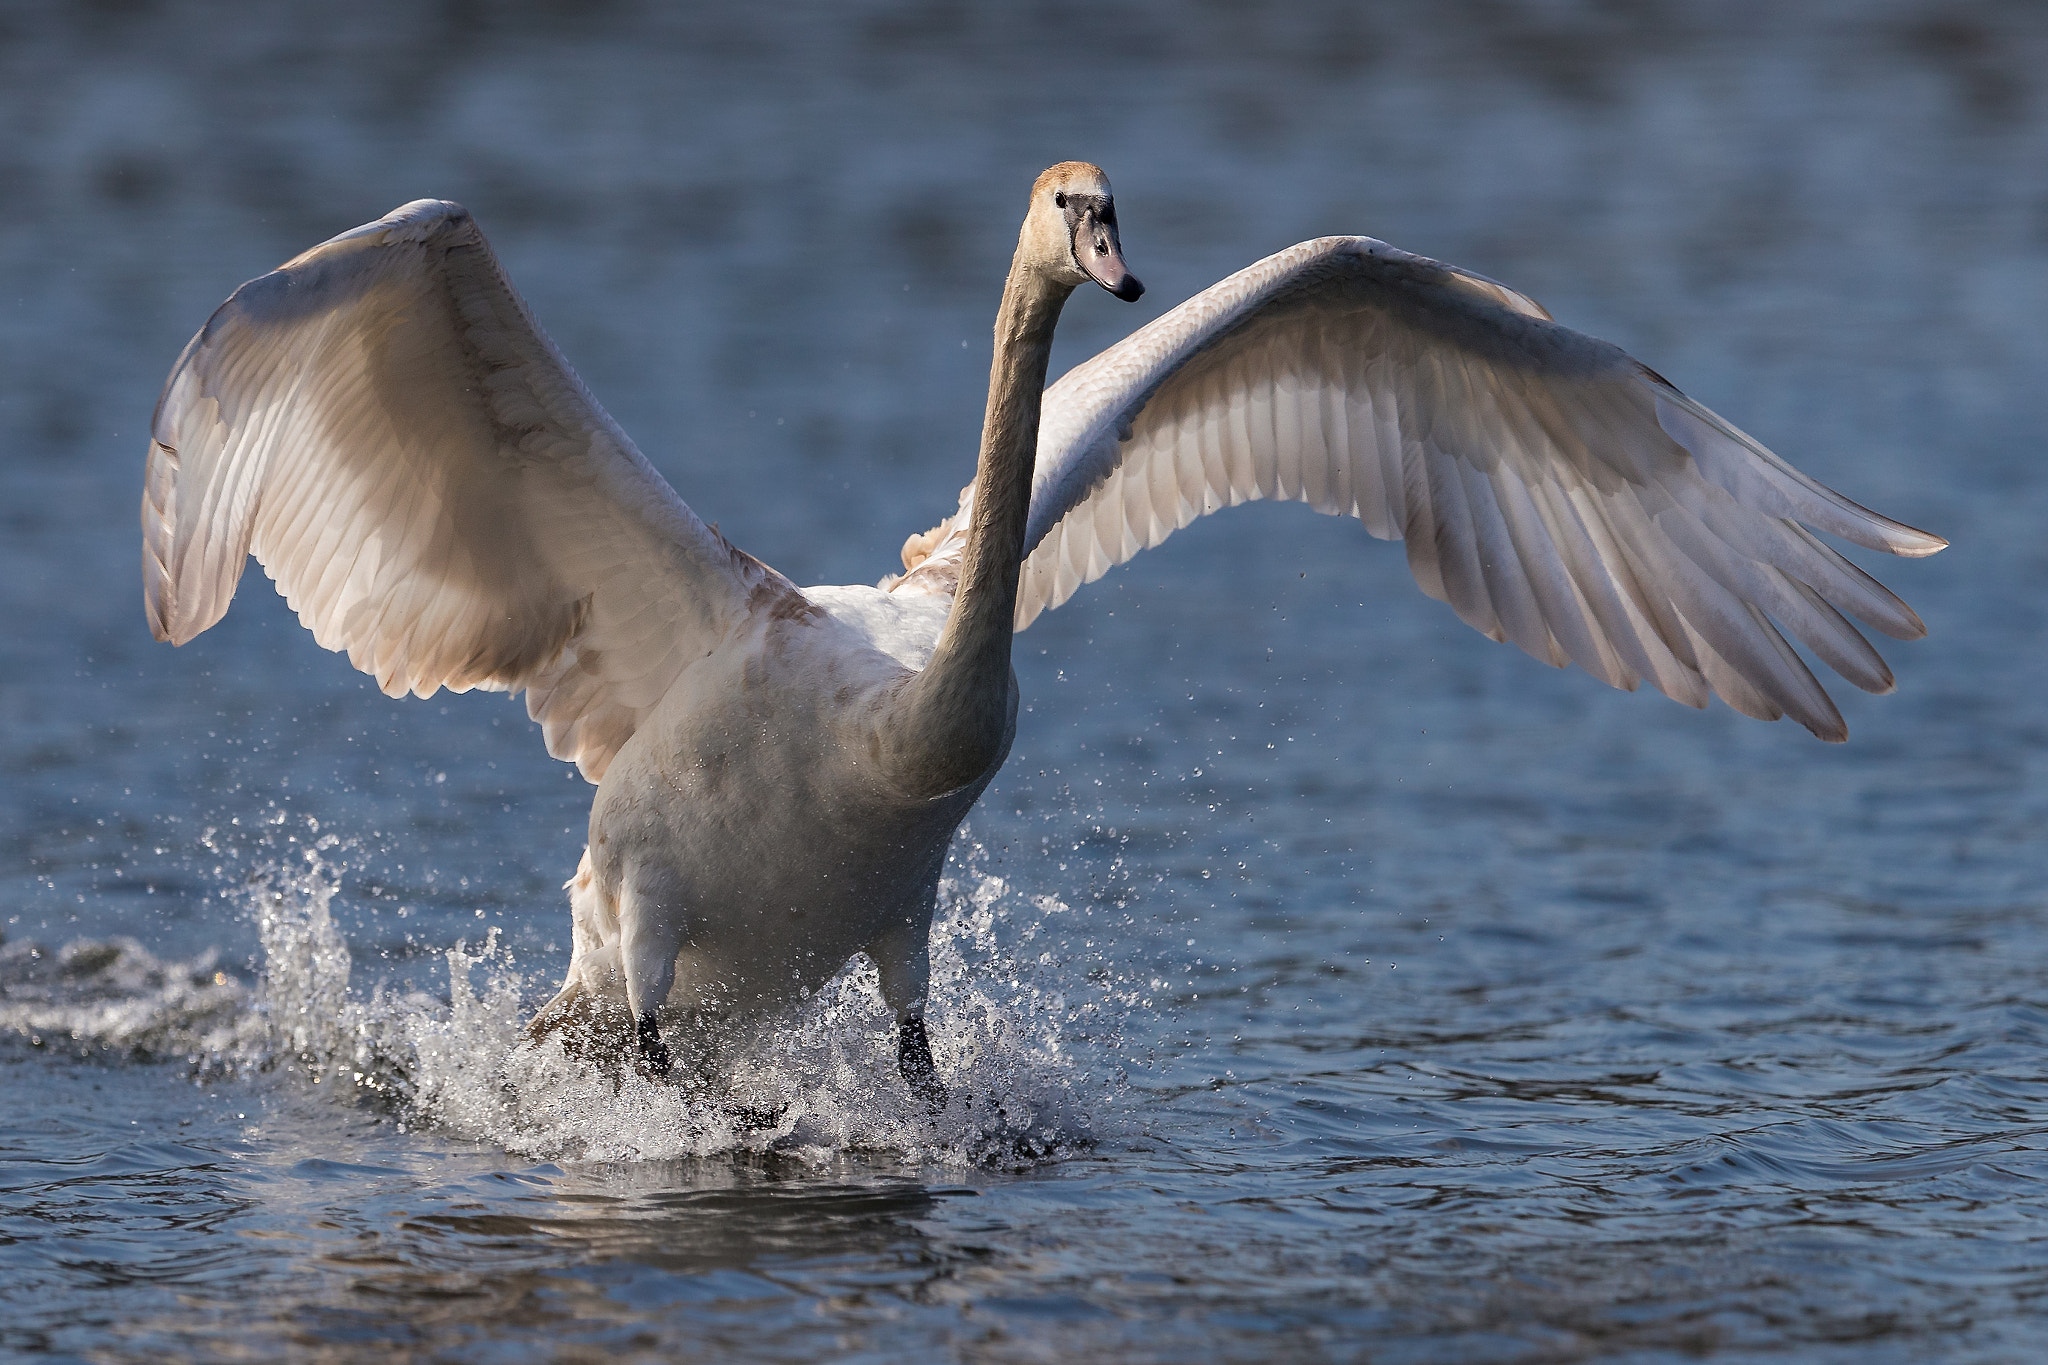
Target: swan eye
1059 199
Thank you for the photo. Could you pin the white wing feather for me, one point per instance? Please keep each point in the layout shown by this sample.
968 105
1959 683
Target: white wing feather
383 425
1551 489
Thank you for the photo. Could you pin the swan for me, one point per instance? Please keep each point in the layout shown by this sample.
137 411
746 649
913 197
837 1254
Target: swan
780 770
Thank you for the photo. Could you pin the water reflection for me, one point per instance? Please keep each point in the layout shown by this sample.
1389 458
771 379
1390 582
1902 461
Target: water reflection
694 1217
593 1250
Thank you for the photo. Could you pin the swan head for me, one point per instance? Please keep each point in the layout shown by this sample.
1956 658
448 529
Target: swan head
1070 230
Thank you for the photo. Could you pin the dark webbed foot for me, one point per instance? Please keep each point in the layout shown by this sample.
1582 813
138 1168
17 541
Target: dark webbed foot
914 1060
654 1058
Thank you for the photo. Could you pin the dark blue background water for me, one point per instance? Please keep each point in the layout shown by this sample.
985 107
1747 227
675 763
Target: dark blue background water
1331 983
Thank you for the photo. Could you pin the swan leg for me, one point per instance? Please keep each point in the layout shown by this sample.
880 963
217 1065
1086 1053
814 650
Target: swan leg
653 1052
914 1060
902 958
587 1013
650 936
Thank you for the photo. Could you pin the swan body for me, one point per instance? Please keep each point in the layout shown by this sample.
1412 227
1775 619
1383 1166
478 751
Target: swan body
750 837
780 771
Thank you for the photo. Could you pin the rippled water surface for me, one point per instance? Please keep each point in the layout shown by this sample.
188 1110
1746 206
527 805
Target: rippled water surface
1318 982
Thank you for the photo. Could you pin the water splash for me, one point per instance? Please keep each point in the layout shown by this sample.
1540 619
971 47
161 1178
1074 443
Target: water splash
1026 1053
1025 1034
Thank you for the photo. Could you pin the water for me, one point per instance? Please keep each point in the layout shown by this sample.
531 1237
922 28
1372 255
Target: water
1318 981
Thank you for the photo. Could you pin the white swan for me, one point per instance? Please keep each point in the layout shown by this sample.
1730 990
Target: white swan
780 770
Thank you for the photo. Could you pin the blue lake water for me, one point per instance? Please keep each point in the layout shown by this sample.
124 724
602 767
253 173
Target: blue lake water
1322 981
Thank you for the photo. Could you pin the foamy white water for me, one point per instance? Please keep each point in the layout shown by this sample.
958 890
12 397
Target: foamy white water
1028 1048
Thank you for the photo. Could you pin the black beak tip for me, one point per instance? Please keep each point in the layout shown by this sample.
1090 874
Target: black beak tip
1128 289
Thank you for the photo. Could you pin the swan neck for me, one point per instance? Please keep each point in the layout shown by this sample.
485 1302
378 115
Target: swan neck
1009 452
962 710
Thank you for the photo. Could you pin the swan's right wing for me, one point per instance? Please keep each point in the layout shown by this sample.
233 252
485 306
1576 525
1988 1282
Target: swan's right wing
1554 491
383 425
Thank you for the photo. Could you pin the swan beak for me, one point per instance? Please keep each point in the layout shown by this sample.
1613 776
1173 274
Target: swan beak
1100 255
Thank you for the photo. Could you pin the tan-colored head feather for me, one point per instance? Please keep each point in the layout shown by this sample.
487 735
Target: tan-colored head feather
1072 177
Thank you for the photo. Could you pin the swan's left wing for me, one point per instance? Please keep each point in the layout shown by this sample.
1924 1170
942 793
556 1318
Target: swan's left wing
383 425
1550 488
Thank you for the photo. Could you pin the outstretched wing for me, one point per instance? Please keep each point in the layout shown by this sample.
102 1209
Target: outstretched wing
1551 489
383 425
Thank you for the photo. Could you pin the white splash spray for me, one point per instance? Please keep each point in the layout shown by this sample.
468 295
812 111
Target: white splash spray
1028 1061
1025 1024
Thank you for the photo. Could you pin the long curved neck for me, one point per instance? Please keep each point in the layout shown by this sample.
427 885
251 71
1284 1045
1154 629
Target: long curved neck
956 718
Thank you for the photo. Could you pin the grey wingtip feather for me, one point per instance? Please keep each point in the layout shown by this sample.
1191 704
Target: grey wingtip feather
1929 544
1811 502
